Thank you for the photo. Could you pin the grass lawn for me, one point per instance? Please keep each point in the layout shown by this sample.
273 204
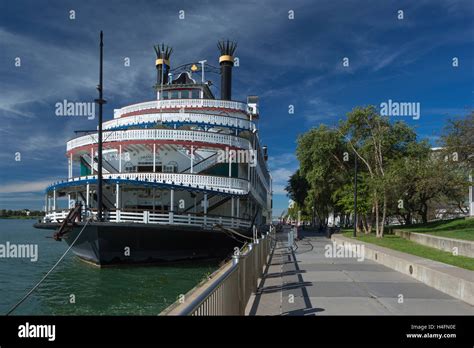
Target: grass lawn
397 243
458 228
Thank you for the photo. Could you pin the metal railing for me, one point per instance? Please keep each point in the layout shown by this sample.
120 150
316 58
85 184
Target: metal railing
180 117
94 165
228 290
204 164
182 103
209 182
292 233
161 134
149 217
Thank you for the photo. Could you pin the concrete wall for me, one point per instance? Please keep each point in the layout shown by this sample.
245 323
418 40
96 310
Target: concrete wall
454 281
464 247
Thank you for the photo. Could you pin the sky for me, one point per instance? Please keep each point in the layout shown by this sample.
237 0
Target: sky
291 54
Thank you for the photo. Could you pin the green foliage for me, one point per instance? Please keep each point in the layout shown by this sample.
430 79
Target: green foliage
297 188
459 140
419 180
398 175
321 155
344 196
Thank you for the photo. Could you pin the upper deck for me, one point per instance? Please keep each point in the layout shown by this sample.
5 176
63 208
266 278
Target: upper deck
239 108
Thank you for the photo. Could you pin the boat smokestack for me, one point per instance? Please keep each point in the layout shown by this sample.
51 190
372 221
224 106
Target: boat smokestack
226 61
162 63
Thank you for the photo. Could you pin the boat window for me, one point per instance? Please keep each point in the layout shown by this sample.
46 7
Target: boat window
171 167
144 169
129 168
185 94
195 94
174 94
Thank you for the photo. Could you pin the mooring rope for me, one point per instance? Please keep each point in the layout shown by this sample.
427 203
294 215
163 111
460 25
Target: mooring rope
49 272
232 231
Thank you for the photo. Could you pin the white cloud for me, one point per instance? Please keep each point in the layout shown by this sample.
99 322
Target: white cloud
25 186
279 189
288 158
280 178
320 109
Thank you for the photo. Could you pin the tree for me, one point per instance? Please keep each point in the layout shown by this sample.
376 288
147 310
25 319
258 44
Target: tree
320 153
344 197
423 179
375 141
297 188
458 149
458 140
399 176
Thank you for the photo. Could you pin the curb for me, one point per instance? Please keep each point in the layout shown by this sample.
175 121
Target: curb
464 247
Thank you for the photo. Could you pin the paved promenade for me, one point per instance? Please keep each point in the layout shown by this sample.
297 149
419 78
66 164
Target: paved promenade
303 281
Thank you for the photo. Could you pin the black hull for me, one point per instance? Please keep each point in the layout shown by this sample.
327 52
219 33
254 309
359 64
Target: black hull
106 244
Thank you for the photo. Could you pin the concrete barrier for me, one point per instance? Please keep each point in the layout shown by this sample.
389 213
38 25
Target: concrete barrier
454 281
463 247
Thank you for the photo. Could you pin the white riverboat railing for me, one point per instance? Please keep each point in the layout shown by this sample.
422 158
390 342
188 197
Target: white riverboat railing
178 117
182 103
204 164
228 290
160 134
150 217
208 182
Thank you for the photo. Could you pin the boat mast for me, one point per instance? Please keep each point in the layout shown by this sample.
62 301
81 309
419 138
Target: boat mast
100 101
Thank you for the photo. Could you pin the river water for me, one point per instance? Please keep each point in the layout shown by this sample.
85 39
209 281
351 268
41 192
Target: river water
95 291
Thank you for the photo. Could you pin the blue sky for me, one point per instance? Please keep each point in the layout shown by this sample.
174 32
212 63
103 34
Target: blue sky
284 61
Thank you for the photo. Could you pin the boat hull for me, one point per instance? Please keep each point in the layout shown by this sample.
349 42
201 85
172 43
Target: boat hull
106 244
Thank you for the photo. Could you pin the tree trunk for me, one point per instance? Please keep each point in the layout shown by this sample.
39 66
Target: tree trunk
384 213
366 224
424 213
407 219
370 221
376 202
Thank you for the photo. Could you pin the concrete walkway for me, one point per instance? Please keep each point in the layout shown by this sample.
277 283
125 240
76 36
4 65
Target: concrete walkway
305 282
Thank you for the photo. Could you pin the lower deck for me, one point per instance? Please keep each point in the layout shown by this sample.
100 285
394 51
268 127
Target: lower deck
154 217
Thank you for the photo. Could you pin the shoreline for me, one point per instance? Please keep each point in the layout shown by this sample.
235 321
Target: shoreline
19 217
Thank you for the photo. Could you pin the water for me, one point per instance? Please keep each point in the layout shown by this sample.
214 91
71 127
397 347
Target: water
106 291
